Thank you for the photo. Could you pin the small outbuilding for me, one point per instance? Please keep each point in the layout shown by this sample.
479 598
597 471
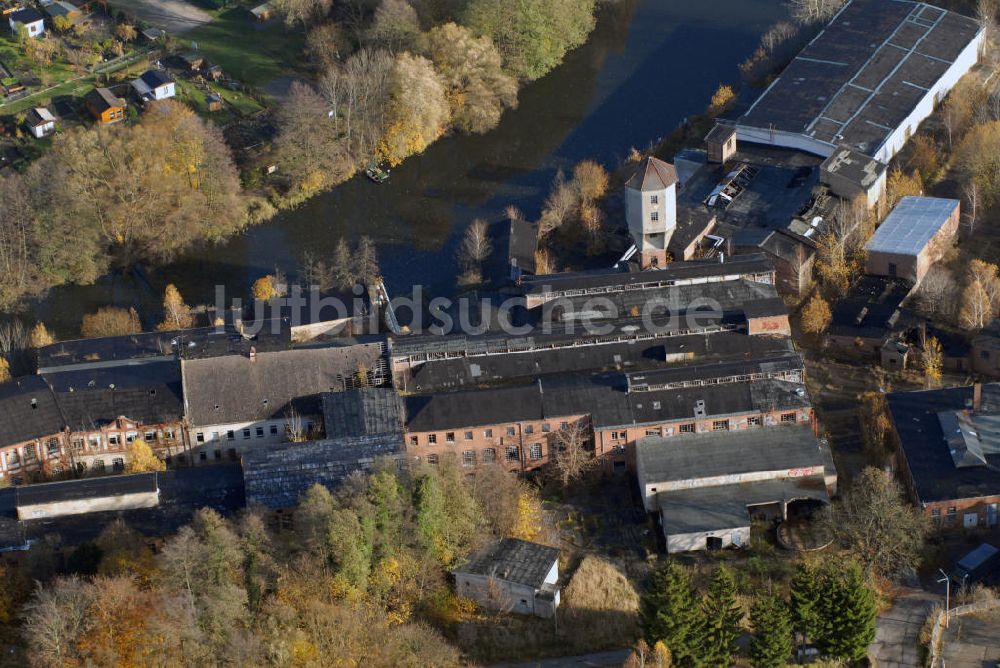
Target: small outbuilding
512 576
850 175
262 12
30 18
40 122
913 237
154 85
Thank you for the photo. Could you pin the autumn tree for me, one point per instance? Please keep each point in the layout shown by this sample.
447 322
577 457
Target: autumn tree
176 314
931 358
18 261
981 296
309 144
142 459
899 184
924 157
110 321
419 109
558 205
358 95
590 180
302 12
977 157
324 44
5 375
816 316
395 26
722 99
478 90
40 336
126 32
264 288
343 266
877 525
365 263
532 35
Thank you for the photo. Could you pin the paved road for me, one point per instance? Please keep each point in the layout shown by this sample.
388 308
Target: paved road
972 641
897 631
597 660
174 16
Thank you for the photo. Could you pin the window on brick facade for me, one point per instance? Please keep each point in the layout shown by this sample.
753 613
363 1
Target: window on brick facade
936 513
94 442
13 459
788 417
753 420
113 439
150 436
720 425
469 458
432 439
535 452
686 428
468 436
98 465
53 447
546 427
414 440
432 459
449 437
490 455
528 429
77 444
511 431
564 425
951 514
488 433
512 454
652 432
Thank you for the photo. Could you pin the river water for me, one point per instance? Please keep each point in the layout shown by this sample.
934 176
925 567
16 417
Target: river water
648 65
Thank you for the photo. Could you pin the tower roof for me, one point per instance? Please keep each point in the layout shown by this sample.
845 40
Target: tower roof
653 174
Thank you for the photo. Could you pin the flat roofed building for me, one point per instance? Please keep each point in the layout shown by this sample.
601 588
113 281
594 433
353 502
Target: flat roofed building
78 497
512 576
851 175
949 452
707 491
913 236
866 81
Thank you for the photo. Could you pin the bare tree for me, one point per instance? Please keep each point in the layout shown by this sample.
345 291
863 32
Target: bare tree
971 192
572 454
939 294
476 245
366 267
814 11
358 95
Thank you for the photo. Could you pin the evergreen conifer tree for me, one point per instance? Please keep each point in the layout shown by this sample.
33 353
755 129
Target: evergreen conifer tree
806 594
848 613
670 613
771 645
720 620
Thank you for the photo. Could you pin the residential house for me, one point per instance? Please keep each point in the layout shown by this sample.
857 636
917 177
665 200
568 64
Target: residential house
917 233
105 106
30 18
512 576
40 122
708 492
154 85
948 453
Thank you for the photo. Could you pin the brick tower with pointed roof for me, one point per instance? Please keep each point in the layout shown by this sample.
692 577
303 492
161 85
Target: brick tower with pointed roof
651 210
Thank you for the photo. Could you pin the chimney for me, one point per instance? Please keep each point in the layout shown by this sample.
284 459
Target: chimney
977 397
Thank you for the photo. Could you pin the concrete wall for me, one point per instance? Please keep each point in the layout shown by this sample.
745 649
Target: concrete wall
693 542
965 62
850 190
216 436
91 505
505 596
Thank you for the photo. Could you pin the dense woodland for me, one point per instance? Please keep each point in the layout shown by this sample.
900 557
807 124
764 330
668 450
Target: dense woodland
388 78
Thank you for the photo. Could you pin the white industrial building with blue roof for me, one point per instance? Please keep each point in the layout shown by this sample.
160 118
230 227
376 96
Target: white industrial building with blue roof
913 236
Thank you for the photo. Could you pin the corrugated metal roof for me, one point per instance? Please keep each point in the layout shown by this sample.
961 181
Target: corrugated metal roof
911 225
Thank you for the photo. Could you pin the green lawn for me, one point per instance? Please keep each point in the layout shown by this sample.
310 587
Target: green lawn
194 97
247 52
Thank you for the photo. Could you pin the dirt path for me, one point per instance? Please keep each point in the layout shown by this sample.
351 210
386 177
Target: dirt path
174 16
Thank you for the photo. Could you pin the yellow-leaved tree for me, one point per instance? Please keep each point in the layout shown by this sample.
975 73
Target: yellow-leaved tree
4 370
816 315
264 288
40 336
176 314
142 459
